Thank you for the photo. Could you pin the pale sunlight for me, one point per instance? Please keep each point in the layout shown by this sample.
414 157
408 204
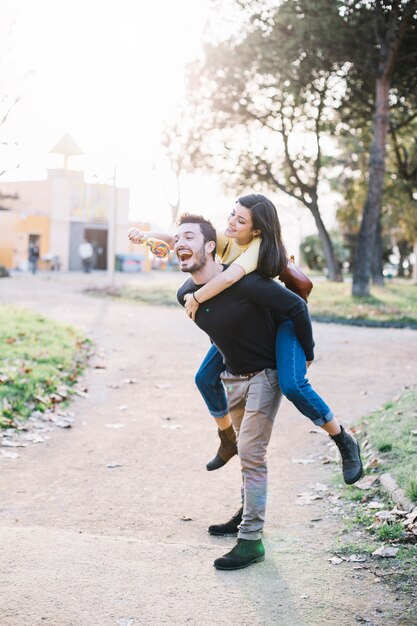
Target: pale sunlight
109 74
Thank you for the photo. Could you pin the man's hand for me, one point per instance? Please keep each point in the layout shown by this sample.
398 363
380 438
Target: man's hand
135 235
308 363
191 306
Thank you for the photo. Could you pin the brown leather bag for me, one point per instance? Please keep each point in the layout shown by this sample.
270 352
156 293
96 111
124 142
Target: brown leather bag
295 280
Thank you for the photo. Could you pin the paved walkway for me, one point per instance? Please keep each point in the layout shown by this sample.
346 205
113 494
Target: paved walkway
86 544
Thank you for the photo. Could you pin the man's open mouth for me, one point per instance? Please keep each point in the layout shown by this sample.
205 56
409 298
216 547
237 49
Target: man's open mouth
184 255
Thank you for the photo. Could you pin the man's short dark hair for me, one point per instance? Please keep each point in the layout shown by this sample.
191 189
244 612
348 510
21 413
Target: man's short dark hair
207 229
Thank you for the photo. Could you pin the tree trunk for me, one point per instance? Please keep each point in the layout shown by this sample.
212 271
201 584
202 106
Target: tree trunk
415 264
377 259
403 250
331 261
372 209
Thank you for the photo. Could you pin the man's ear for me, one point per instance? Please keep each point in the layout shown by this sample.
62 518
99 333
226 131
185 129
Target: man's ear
210 246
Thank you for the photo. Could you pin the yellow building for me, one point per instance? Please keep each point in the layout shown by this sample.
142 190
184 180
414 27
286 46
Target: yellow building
58 213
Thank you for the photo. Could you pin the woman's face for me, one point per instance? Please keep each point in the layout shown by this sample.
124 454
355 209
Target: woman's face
240 225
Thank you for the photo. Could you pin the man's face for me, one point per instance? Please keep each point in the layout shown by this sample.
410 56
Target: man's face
190 248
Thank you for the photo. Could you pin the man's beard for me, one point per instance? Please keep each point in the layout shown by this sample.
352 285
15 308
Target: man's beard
200 261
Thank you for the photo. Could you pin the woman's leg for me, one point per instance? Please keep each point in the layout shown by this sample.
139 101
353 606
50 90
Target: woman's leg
211 388
292 377
291 366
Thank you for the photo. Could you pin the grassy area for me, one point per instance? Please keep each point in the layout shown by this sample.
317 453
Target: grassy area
394 304
392 432
39 362
370 519
144 293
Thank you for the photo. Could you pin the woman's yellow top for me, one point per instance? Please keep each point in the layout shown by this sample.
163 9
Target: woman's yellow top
245 256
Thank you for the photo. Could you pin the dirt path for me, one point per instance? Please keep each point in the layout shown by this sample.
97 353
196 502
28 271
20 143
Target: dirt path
84 544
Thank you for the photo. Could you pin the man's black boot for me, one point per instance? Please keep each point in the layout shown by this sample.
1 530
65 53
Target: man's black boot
229 528
351 456
226 451
244 553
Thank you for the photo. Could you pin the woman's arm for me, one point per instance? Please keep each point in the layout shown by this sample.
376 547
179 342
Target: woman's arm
216 285
137 236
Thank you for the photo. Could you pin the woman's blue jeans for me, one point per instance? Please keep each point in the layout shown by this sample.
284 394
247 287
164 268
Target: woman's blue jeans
291 366
292 376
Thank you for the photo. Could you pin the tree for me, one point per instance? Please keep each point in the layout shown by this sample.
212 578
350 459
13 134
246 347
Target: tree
393 26
401 191
262 101
398 217
6 106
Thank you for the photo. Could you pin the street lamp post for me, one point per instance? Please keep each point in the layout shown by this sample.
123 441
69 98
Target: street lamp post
111 233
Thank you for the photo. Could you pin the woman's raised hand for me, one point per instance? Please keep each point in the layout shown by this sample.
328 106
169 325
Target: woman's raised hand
191 305
135 235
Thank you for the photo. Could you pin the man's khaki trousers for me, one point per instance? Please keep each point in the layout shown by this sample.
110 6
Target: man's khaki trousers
253 403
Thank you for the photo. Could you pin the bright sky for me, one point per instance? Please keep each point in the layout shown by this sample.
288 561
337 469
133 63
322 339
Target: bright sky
108 72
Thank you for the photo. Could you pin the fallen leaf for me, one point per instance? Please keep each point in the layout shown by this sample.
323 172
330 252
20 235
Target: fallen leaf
62 424
122 407
372 463
126 621
62 390
320 487
80 392
42 399
55 398
185 518
399 512
386 516
385 552
112 465
307 498
374 505
336 560
357 558
9 455
129 381
366 483
302 461
411 517
8 443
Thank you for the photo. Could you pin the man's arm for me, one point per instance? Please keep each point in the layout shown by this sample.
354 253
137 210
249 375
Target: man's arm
283 305
187 287
138 236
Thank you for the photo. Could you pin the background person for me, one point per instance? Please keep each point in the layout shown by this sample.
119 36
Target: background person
33 256
86 252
